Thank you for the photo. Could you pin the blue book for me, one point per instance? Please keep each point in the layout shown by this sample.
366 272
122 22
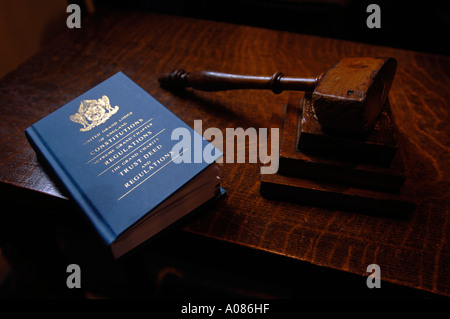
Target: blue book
131 165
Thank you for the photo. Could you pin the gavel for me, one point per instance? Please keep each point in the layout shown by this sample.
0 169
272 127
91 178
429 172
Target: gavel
348 97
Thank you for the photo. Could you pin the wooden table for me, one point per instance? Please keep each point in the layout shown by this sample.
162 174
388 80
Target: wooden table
413 252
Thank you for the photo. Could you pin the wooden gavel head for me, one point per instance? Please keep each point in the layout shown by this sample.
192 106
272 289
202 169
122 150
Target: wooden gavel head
349 97
352 94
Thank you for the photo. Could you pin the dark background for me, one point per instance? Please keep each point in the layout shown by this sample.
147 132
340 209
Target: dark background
415 25
26 26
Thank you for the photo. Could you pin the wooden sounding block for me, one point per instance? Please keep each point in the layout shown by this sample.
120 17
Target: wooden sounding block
330 182
337 159
351 95
333 196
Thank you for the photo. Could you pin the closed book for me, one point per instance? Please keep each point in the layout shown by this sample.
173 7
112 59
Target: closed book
132 166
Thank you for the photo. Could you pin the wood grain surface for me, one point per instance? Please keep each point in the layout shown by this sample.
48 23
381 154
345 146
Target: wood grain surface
414 252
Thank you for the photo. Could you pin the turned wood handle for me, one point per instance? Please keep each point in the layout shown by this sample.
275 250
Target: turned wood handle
216 81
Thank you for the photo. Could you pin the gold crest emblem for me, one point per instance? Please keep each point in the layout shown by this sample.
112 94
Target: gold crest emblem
92 113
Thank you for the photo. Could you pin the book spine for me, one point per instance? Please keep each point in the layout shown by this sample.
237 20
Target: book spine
73 188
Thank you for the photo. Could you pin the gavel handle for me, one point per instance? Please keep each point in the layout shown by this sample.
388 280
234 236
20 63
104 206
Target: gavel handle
216 81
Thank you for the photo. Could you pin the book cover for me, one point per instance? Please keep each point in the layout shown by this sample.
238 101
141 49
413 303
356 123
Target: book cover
112 148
